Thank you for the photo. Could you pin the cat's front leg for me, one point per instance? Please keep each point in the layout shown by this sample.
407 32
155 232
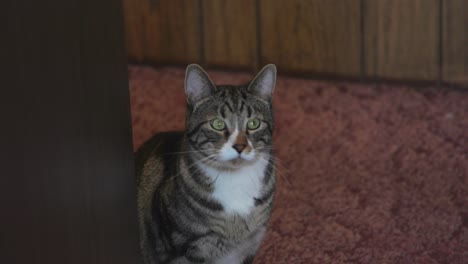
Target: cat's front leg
183 260
248 260
206 248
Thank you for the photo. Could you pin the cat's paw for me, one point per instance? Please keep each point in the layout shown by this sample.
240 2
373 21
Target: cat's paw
205 248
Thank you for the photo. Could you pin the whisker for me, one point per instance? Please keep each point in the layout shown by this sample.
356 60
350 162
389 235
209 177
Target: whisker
281 163
214 180
193 164
185 152
274 147
282 174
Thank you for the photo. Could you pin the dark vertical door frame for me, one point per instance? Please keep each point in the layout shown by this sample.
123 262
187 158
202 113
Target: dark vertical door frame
67 190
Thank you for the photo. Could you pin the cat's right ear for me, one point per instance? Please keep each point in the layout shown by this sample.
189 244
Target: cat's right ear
198 85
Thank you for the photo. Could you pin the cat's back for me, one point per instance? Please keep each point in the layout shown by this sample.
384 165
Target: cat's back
157 153
154 160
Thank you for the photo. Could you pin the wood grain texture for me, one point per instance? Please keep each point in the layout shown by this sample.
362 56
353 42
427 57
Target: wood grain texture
401 39
134 29
320 36
455 41
67 187
230 33
163 31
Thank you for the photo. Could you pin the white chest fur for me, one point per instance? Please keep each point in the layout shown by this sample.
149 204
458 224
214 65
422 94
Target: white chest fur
236 190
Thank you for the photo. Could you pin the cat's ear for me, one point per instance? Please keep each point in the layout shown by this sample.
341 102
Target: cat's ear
198 85
264 83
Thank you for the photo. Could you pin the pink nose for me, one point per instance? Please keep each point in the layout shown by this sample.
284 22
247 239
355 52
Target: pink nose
239 147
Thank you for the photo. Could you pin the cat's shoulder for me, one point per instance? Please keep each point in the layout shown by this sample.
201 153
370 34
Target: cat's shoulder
163 144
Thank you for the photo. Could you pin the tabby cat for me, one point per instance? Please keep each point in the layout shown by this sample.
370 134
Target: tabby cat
205 194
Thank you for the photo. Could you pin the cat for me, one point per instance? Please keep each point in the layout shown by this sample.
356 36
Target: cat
205 194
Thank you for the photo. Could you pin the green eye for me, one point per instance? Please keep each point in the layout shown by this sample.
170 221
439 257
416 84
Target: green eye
253 124
218 124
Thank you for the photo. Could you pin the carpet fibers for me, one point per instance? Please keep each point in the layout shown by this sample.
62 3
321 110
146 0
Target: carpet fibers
368 173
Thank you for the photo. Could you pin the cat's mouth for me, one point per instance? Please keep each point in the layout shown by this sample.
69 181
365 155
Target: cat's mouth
235 157
238 161
235 164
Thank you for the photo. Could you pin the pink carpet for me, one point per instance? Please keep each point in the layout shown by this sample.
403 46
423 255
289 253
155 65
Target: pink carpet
370 174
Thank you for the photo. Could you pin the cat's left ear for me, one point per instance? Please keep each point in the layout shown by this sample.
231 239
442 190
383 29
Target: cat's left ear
264 83
198 85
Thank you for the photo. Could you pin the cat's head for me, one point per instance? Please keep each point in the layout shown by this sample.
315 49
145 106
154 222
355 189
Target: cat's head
230 126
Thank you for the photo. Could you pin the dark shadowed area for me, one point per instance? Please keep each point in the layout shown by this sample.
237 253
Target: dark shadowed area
368 173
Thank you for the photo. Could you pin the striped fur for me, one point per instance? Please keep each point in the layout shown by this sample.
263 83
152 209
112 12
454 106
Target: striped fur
200 198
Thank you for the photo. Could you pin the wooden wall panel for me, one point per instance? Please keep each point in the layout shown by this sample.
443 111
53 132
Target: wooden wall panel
163 31
401 39
230 33
377 39
455 41
321 36
134 29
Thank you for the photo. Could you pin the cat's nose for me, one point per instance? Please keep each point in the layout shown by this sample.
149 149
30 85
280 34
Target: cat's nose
239 147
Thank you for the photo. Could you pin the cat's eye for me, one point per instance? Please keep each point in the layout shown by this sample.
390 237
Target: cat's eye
218 124
253 123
